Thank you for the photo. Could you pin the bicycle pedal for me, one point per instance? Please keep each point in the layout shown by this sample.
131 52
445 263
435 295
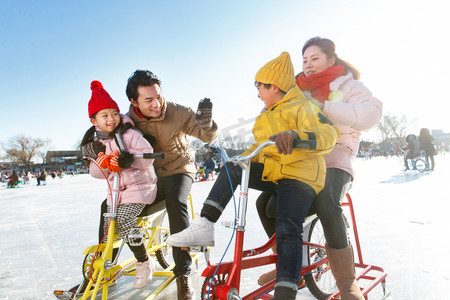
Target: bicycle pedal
195 249
63 295
136 236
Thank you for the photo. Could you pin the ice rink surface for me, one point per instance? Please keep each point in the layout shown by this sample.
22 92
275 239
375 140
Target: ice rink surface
403 220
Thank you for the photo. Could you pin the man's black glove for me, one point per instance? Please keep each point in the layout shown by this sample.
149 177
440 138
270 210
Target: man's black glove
203 117
125 160
92 149
151 139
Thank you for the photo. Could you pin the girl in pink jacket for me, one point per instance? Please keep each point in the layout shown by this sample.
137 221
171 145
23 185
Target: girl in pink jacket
333 85
137 178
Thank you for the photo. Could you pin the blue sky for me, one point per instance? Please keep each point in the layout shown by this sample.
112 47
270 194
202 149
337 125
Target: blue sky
51 50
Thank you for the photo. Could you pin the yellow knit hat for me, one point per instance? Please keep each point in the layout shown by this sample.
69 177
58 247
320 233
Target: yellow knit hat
278 71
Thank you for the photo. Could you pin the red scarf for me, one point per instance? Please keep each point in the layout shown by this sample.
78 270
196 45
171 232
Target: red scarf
319 84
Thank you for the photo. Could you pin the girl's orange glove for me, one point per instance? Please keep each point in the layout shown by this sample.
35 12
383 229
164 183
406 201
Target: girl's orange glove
103 161
114 162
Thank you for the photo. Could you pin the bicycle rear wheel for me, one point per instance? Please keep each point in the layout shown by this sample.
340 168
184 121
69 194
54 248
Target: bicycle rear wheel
320 281
163 254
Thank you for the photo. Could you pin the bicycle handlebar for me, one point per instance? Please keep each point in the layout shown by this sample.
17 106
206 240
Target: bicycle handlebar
299 144
151 155
142 155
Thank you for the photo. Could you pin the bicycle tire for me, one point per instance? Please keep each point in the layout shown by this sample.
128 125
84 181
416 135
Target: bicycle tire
421 165
320 281
87 268
162 254
87 263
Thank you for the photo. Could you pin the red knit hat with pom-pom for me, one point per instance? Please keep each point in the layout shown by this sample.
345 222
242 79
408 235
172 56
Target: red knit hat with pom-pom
100 99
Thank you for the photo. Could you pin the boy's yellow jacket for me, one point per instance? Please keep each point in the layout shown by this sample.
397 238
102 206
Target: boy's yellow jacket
295 113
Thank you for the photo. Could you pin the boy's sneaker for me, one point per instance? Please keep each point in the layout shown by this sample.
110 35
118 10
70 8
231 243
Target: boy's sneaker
144 273
200 233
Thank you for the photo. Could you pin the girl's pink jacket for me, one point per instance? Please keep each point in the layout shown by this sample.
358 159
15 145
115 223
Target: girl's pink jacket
137 184
353 109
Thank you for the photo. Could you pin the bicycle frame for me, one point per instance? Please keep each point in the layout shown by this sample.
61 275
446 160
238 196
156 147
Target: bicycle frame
228 286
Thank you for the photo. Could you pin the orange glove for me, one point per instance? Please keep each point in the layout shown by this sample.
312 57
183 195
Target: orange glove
114 162
103 161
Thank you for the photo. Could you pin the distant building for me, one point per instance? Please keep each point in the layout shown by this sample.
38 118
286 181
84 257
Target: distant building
5 165
67 159
441 139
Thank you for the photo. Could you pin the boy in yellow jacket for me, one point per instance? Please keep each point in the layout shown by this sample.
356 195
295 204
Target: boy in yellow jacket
296 175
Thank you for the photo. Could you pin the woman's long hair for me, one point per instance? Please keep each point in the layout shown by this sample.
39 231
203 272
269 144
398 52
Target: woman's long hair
425 135
327 46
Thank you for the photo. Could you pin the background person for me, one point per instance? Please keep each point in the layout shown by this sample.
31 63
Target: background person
426 144
210 165
200 173
27 177
13 179
411 150
42 177
333 85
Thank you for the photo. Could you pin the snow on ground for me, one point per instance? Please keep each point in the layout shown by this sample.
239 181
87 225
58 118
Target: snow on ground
402 217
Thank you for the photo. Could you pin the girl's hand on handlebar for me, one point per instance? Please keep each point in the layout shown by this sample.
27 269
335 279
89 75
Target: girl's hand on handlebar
114 162
284 141
103 161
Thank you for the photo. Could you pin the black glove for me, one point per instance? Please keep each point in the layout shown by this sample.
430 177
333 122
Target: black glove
92 149
151 139
125 160
203 117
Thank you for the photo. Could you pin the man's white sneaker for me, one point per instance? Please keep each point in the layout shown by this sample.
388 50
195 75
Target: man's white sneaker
200 233
144 273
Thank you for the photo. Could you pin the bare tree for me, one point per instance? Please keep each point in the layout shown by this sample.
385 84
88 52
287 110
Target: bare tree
393 130
22 149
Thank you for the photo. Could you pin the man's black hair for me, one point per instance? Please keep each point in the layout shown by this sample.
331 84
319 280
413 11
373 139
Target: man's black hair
140 78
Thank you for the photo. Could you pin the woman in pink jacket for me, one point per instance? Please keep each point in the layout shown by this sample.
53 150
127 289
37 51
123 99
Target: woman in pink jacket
137 178
333 85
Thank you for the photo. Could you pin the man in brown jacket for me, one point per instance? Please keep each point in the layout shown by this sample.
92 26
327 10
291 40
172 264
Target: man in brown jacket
166 125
